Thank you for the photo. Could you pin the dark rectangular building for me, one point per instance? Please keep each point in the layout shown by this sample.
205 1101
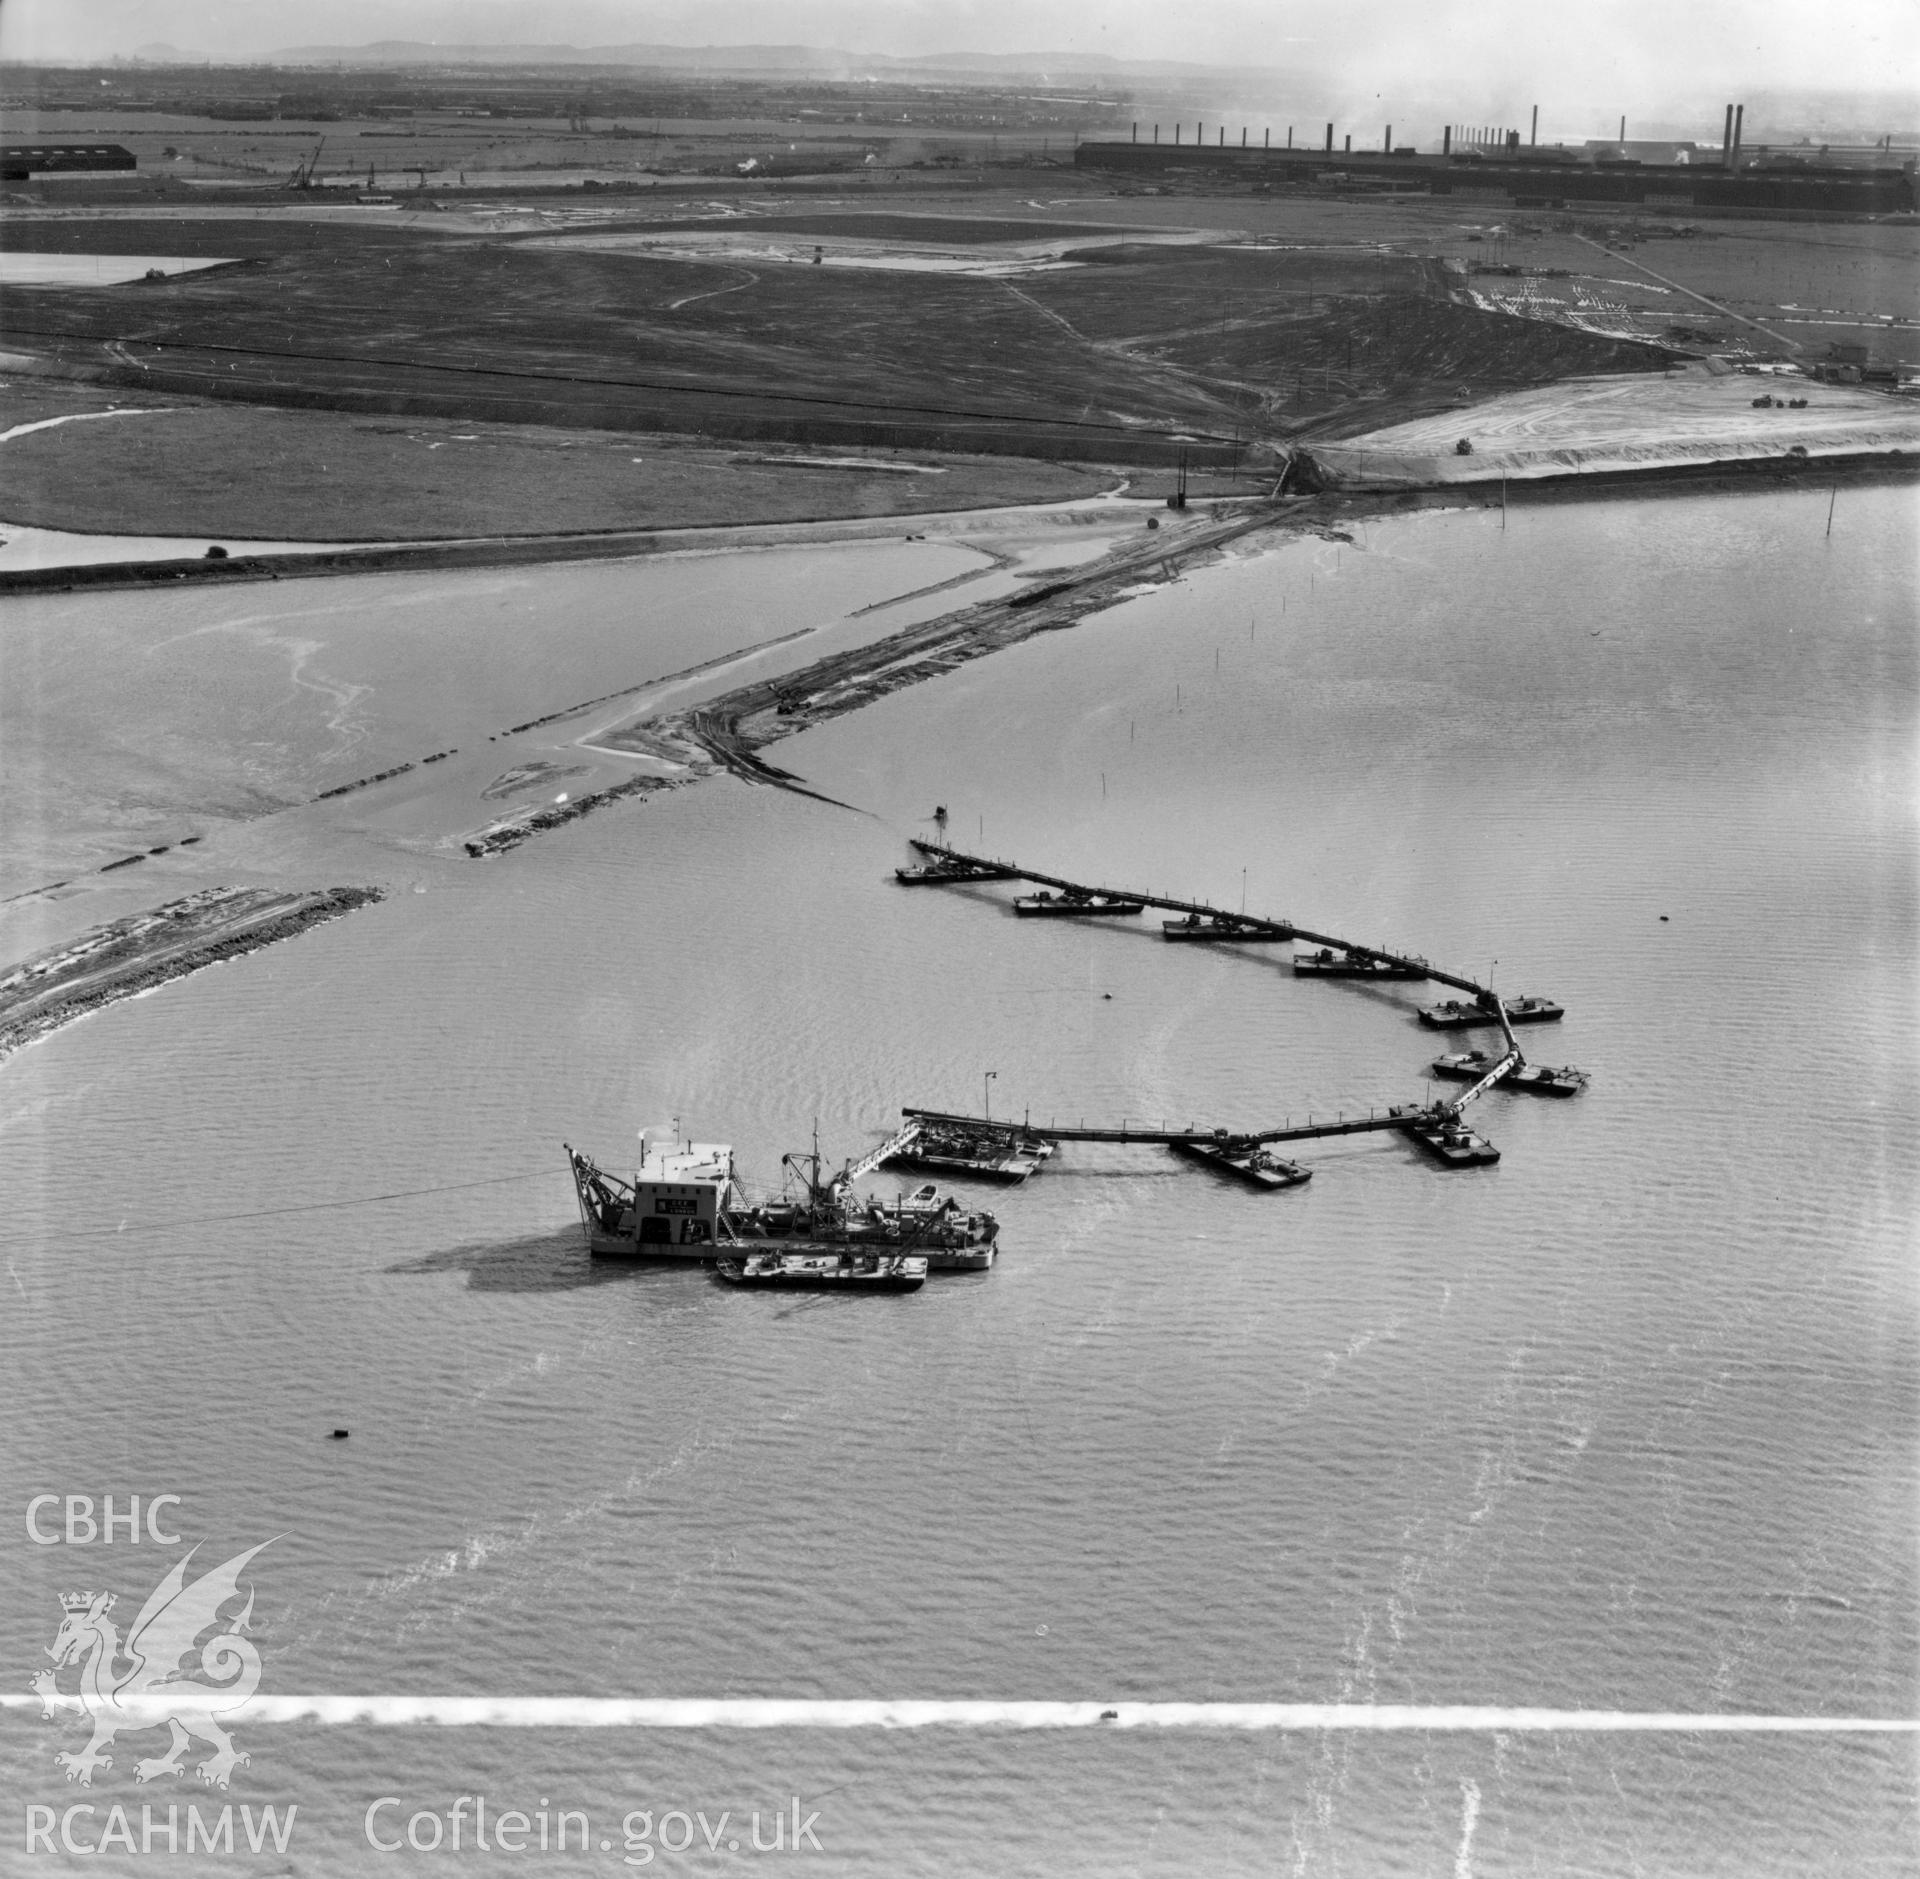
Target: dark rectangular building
19 161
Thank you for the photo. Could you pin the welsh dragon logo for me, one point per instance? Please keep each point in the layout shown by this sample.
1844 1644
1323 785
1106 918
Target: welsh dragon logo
155 1686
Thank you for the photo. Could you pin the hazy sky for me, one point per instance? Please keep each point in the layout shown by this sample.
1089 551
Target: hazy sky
1628 55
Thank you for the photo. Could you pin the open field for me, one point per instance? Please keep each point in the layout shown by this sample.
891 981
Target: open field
524 331
1219 346
193 467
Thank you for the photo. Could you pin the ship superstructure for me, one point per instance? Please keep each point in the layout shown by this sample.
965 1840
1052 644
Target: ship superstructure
676 1206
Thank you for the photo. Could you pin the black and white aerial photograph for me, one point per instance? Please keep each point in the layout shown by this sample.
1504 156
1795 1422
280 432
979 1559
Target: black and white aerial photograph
953 938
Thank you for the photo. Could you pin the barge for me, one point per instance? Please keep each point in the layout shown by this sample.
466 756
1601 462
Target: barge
1247 1161
981 1150
1329 962
1444 1136
1073 903
1215 927
1539 1078
1453 1014
946 873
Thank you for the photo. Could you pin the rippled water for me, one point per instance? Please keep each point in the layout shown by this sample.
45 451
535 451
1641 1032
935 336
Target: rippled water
1624 1423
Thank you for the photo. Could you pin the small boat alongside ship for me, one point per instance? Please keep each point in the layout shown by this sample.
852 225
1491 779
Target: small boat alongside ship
1246 1161
1453 1014
1330 962
1073 903
1538 1078
877 1272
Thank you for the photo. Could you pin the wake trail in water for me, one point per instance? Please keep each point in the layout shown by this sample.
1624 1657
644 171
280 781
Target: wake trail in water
1469 1819
589 1712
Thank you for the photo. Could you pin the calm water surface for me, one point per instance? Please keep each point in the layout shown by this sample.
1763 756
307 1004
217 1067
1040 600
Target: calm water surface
1626 1422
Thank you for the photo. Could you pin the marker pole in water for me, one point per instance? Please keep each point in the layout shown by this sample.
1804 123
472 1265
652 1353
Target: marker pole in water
1831 500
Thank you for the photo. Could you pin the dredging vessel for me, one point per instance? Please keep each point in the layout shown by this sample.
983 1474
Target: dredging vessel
685 1203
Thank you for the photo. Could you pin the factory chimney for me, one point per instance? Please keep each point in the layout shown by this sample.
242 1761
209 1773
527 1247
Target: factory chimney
1534 136
1329 140
1739 121
1446 140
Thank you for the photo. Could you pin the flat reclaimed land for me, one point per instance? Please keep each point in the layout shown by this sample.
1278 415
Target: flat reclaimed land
1220 331
1597 425
190 467
555 363
143 950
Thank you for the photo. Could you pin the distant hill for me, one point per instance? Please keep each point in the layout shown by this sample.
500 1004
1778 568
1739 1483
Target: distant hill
158 52
747 61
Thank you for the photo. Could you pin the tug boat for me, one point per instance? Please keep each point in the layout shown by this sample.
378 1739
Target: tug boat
1444 1136
1329 962
1248 1161
1541 1079
878 1272
1197 926
1072 903
1453 1014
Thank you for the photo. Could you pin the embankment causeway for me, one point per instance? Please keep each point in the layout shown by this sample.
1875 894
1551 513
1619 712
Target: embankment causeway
144 950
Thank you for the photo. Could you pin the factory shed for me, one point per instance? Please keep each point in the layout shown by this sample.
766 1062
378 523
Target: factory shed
19 161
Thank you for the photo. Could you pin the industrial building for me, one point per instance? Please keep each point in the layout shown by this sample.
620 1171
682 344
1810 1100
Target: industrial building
1496 164
19 161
